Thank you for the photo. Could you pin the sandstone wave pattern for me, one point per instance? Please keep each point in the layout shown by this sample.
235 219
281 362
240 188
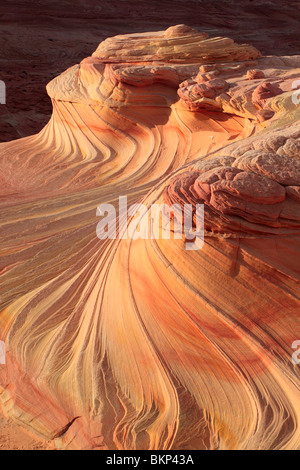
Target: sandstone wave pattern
140 343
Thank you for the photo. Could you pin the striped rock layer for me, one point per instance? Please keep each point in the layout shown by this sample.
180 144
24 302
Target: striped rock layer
140 343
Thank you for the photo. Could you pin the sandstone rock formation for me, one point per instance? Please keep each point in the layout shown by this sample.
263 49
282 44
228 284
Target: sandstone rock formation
141 344
42 38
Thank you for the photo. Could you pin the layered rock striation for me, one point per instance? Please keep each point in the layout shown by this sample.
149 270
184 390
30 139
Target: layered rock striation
139 343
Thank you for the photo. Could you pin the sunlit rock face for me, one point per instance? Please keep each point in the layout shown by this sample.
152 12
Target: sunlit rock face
141 344
55 34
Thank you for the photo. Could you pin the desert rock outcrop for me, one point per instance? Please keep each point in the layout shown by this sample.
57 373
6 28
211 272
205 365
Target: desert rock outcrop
141 344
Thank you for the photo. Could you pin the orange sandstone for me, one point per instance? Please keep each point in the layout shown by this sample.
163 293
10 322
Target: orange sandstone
140 344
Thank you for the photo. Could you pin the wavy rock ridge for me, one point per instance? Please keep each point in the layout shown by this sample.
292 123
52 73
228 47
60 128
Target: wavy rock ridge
140 344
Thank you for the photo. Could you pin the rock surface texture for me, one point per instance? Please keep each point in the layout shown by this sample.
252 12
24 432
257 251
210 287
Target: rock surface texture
42 38
140 343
